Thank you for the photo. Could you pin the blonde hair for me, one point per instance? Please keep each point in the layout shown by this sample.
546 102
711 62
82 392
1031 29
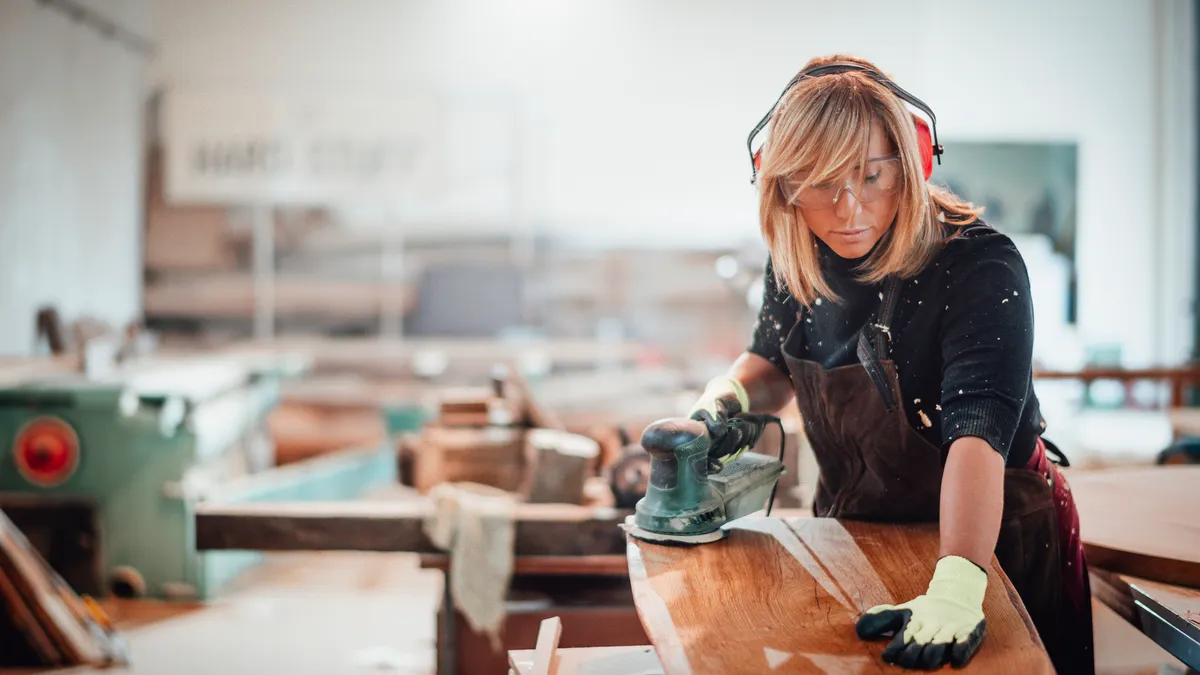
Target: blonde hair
823 125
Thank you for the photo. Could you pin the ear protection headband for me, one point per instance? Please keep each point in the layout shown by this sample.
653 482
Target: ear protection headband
926 137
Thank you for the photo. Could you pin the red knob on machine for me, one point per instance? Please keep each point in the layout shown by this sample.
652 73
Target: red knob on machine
46 451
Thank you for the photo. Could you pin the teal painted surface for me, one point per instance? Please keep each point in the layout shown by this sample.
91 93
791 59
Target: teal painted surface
344 476
404 418
132 463
124 462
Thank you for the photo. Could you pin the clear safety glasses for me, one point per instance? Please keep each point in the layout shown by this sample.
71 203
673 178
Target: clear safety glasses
884 177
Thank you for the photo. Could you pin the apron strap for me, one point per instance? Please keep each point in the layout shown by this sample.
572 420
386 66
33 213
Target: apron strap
871 351
1054 450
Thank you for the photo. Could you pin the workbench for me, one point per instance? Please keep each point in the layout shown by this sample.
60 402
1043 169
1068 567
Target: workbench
568 561
690 604
1140 535
574 555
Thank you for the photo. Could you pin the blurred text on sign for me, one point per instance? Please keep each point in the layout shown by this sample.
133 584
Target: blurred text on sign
237 147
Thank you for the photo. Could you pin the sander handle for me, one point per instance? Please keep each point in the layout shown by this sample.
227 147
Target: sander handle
741 430
751 427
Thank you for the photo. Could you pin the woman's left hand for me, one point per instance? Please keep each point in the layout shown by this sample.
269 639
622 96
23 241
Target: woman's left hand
945 625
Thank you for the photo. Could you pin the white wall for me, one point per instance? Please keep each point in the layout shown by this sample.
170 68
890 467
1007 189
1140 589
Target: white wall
634 114
70 180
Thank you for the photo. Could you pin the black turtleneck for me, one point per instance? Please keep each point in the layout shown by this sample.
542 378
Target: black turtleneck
962 339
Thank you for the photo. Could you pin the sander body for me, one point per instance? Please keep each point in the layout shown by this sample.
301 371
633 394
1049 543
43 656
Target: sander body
700 478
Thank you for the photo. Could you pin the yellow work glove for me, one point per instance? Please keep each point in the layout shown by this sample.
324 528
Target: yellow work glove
723 398
945 625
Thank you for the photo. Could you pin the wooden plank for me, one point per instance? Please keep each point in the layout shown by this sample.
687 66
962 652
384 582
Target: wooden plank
558 464
43 594
551 565
779 594
1108 588
1117 591
547 646
352 392
301 431
25 621
381 358
15 372
1141 521
467 420
632 660
231 295
493 456
1122 374
542 529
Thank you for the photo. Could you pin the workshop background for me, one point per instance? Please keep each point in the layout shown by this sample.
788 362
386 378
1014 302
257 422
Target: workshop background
314 250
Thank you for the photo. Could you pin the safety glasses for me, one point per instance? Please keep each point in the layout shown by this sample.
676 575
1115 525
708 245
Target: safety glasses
884 177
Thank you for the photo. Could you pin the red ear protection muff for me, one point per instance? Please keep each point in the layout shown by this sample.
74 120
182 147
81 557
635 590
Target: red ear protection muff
926 145
927 141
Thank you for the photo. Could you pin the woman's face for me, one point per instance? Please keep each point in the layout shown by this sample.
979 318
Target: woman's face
850 217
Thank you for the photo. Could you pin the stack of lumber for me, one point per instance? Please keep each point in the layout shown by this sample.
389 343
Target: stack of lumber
323 414
232 296
302 431
500 436
198 265
42 621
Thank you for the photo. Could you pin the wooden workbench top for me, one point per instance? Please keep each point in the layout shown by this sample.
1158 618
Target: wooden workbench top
782 595
1141 521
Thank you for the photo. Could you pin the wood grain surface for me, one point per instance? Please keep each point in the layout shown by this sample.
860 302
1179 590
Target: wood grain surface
1142 522
782 595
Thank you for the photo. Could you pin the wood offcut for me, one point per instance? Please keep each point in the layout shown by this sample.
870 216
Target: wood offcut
782 595
546 651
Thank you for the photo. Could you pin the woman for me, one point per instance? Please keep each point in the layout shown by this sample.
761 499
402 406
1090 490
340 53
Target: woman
903 326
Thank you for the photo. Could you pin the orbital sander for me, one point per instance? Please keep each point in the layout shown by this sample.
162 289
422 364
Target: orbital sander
700 478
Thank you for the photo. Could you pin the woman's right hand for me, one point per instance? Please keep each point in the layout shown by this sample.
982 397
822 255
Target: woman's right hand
752 381
752 384
723 398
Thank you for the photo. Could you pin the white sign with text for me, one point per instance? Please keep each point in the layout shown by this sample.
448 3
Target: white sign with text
318 148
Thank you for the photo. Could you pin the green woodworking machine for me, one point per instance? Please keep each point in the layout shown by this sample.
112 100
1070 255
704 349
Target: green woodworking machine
103 473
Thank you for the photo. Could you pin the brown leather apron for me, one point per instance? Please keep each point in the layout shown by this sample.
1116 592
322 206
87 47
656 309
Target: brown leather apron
875 466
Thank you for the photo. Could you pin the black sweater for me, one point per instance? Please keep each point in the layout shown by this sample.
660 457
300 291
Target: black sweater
962 339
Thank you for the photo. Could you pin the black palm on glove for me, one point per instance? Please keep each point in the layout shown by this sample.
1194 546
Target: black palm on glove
911 648
945 625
